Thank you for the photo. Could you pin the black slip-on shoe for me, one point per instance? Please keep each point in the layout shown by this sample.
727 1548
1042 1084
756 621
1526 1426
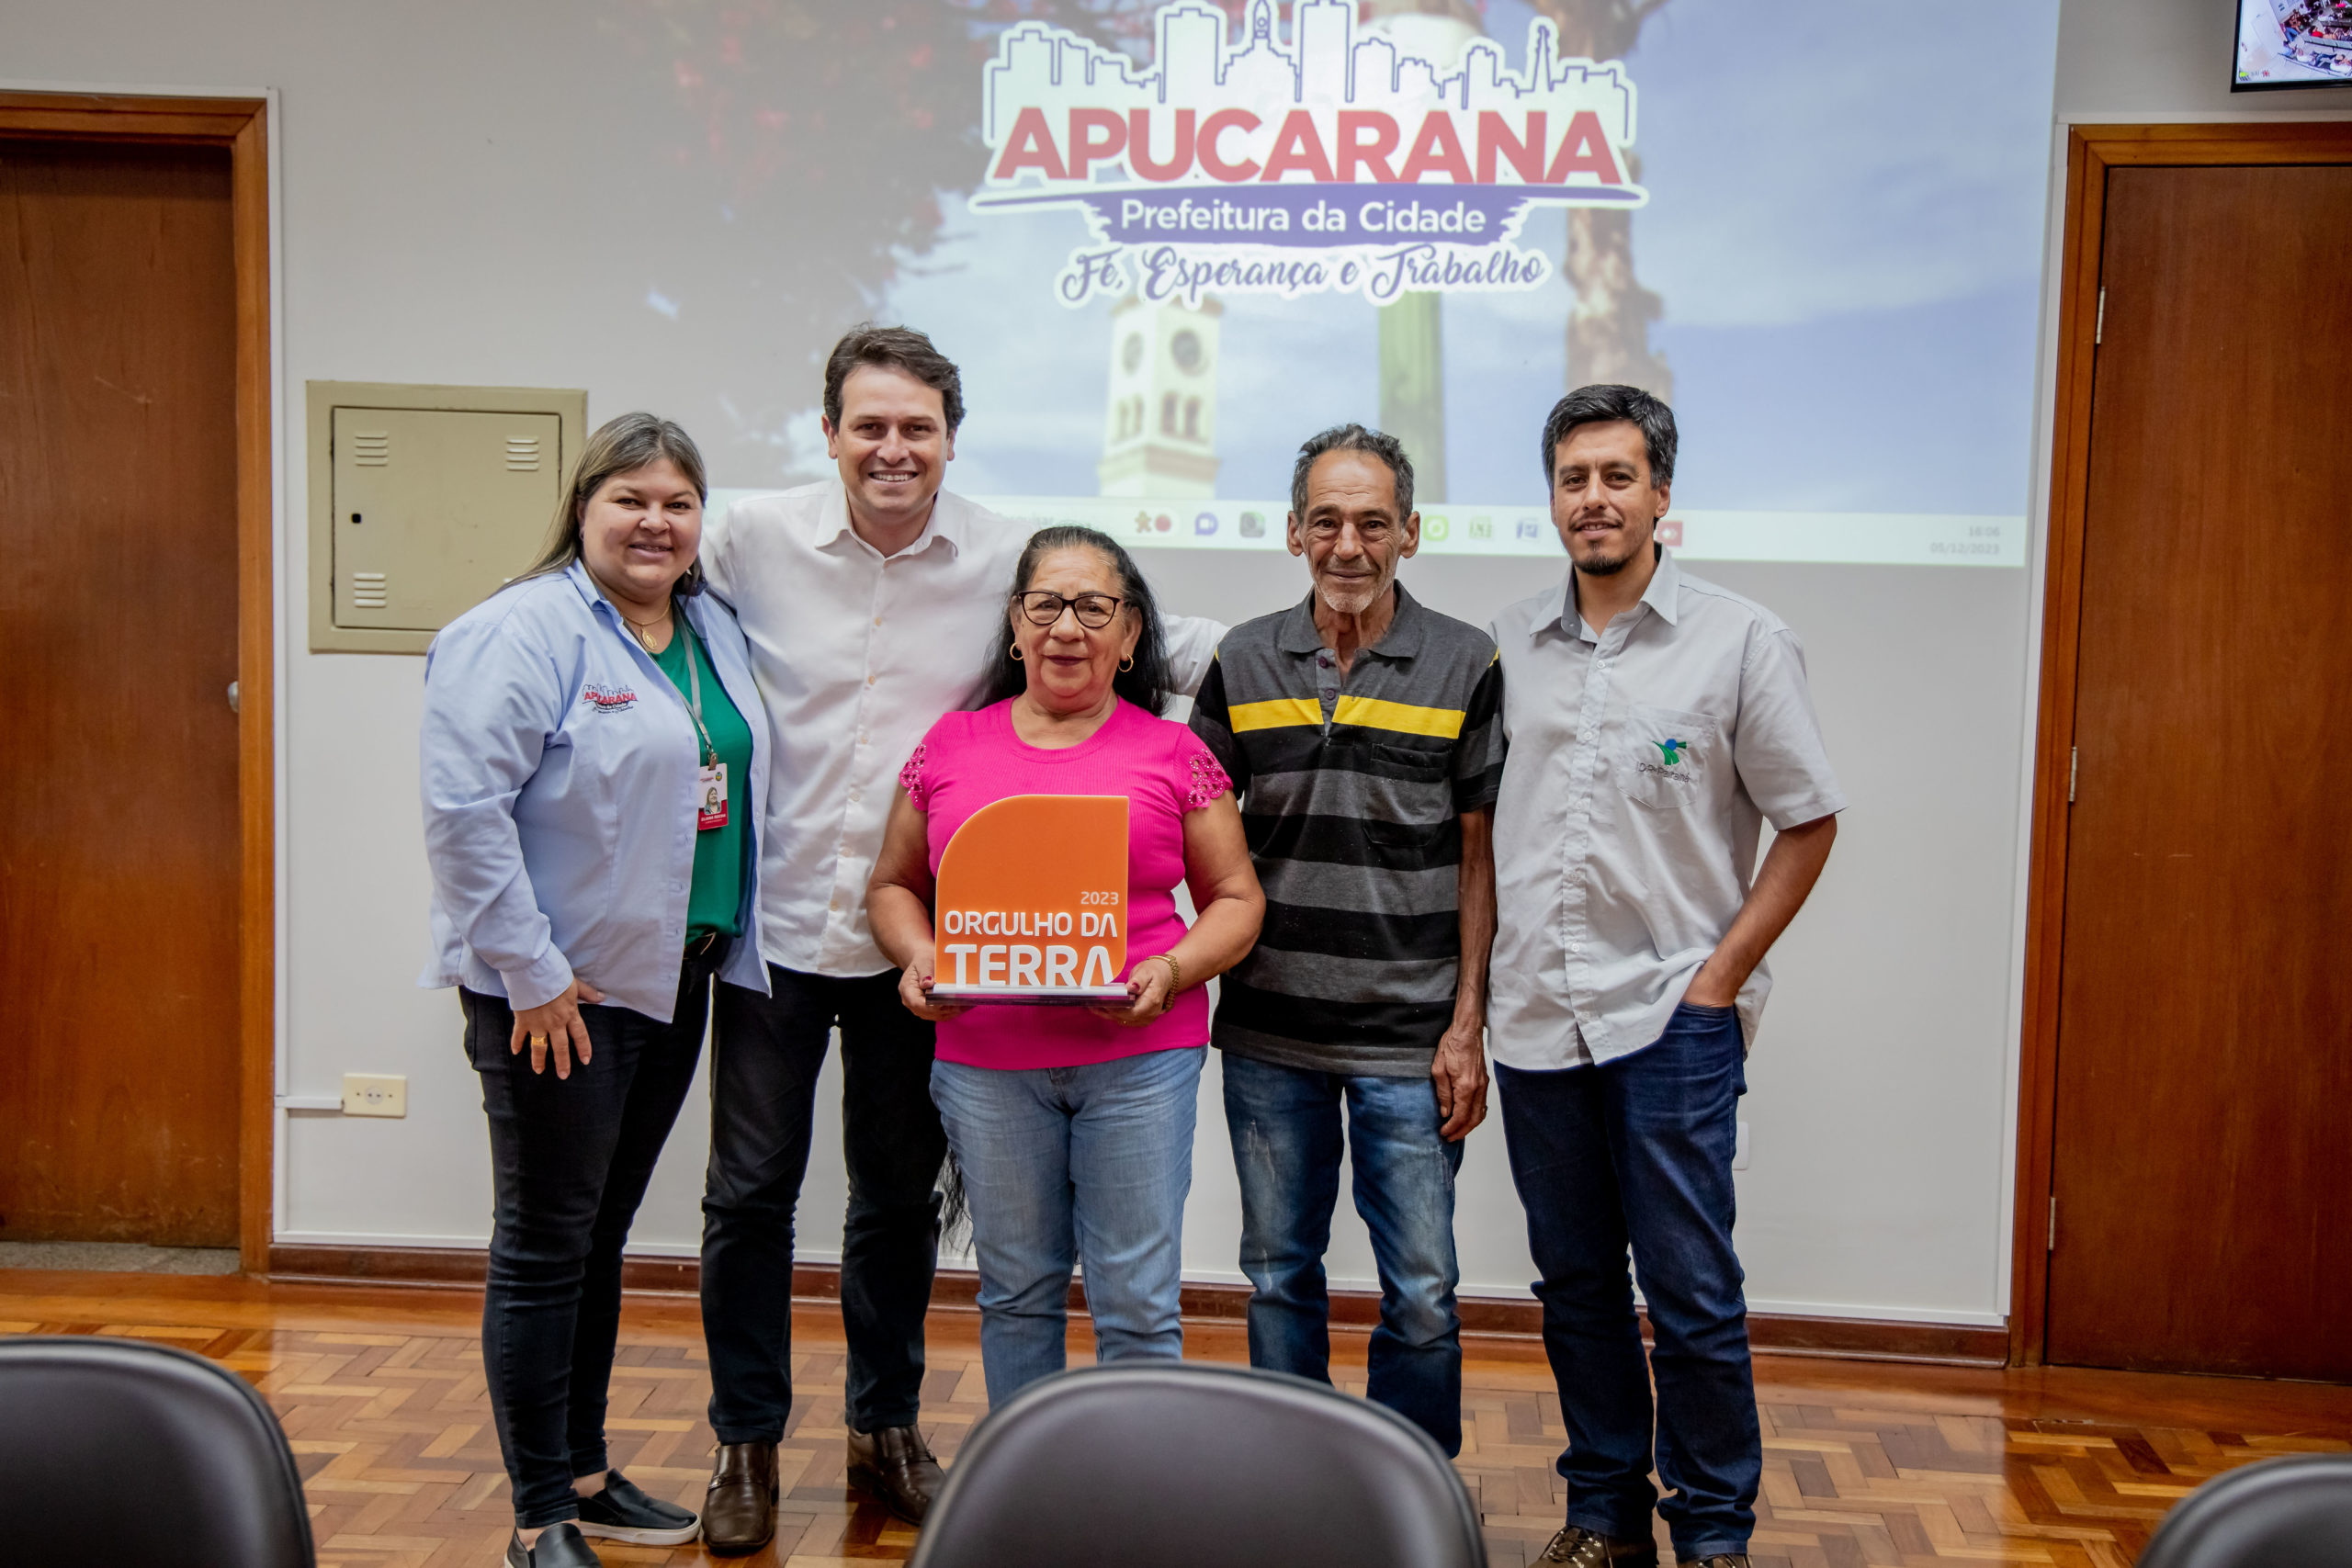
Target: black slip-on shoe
622 1512
559 1546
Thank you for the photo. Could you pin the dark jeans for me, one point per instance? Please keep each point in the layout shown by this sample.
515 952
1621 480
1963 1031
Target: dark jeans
765 1054
1286 1147
570 1158
1637 1151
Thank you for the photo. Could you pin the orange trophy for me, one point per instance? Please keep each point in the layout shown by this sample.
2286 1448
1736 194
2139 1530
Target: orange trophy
1032 902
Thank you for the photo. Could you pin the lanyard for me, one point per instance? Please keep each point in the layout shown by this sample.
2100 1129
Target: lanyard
693 685
680 626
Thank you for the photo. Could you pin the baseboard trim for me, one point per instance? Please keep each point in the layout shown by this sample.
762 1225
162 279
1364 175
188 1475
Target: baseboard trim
1503 1318
465 1268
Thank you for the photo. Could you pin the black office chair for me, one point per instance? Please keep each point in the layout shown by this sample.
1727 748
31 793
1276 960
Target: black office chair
120 1451
1175 1464
2280 1512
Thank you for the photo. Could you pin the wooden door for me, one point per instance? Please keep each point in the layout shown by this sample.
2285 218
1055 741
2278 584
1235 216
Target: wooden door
118 809
2203 1114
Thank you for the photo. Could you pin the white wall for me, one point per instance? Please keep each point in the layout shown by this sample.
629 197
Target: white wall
1878 1091
2165 61
450 214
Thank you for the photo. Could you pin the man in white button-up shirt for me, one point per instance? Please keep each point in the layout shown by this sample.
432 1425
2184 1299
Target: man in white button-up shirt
868 601
1655 721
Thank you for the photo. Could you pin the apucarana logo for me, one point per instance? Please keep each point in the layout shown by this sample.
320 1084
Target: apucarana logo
1338 162
599 698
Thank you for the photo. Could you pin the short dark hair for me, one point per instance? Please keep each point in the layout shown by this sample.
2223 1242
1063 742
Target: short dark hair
620 445
893 348
1606 403
1147 684
1353 439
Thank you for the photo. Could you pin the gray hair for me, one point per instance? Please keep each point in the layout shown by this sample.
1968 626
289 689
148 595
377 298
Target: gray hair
620 445
1606 403
1353 439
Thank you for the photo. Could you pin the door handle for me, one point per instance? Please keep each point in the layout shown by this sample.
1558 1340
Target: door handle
233 698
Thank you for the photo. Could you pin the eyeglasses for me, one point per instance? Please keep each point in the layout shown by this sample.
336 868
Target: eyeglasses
1094 610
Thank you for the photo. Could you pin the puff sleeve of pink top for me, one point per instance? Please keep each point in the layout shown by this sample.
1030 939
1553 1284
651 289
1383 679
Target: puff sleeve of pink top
971 760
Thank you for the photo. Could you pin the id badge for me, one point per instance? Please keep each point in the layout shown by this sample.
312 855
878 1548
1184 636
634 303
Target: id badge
710 797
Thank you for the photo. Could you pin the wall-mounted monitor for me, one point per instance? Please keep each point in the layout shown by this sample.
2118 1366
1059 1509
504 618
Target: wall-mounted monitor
2292 43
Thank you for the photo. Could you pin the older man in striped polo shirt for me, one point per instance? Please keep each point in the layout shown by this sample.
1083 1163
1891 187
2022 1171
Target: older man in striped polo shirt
1362 732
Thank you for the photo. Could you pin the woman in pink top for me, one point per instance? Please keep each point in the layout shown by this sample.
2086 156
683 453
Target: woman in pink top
1073 1127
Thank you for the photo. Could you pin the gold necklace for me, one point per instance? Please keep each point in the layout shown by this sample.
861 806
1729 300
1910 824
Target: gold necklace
640 630
636 629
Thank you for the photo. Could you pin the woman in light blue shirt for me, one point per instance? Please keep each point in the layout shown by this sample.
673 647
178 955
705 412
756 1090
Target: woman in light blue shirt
594 769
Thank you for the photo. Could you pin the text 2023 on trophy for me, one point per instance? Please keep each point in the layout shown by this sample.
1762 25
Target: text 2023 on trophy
1032 902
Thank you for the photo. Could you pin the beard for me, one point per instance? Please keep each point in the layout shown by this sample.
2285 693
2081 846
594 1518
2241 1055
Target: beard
1599 563
1353 599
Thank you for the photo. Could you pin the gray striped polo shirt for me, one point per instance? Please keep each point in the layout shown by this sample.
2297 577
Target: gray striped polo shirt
1352 788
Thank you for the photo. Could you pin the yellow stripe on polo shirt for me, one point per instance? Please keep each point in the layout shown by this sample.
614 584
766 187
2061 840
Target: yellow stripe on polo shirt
1405 719
1278 713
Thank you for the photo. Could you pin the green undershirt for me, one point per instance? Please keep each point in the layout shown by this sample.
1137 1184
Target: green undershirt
715 901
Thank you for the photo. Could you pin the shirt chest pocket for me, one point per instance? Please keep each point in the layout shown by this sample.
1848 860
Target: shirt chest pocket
1666 759
1408 798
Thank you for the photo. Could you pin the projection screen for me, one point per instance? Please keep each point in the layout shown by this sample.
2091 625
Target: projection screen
1167 243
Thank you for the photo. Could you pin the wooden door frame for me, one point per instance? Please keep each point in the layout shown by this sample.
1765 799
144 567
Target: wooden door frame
242 126
2091 152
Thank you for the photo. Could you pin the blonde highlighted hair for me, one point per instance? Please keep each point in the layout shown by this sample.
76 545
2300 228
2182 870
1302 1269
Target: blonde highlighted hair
619 446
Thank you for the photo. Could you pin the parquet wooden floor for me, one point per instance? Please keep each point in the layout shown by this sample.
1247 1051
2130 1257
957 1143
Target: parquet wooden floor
1865 1463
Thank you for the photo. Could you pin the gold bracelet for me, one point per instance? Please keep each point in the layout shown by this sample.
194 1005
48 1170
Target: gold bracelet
1175 978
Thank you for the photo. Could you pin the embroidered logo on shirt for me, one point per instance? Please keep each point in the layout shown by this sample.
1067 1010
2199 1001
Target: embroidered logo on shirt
608 699
1678 768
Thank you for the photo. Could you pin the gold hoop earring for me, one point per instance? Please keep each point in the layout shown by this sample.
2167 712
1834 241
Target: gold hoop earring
1128 664
1016 653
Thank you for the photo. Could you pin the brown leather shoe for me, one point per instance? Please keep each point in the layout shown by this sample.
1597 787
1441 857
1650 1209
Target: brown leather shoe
895 1468
1581 1548
739 1511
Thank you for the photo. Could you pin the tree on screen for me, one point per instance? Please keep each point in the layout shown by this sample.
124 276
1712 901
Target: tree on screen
1609 326
826 132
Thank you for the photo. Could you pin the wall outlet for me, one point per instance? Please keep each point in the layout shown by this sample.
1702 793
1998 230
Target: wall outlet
1738 1148
375 1094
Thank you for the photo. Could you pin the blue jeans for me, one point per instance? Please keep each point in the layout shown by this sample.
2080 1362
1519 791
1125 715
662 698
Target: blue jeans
1637 1151
1063 1165
1286 1125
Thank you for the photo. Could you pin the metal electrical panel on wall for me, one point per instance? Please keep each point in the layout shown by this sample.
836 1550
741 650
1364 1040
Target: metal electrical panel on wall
423 500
